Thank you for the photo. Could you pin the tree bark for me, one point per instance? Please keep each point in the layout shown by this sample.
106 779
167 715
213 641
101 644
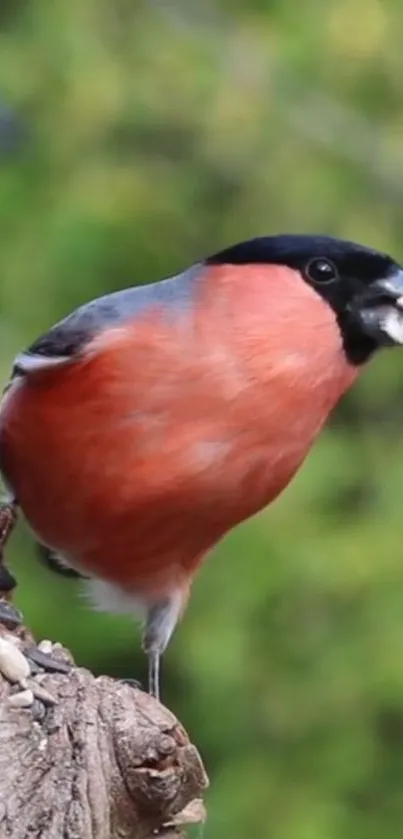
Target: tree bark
88 758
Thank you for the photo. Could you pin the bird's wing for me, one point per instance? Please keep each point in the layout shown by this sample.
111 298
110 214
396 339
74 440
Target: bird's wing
68 338
56 562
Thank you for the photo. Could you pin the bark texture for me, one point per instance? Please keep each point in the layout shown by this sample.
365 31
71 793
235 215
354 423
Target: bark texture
88 758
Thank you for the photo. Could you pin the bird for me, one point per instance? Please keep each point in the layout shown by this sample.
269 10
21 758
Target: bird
143 427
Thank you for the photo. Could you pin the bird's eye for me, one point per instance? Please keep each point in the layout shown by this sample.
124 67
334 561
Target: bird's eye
321 271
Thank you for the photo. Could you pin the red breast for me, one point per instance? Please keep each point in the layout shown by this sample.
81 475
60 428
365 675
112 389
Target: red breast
138 457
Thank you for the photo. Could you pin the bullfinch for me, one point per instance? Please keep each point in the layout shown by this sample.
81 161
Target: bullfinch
139 430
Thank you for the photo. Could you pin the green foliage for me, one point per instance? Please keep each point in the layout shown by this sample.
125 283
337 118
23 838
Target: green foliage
135 137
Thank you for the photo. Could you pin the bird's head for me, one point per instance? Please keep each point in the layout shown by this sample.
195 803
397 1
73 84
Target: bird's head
363 287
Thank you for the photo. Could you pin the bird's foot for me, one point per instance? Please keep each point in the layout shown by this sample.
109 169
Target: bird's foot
133 683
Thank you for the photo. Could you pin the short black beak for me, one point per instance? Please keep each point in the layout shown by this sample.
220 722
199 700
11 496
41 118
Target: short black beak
379 309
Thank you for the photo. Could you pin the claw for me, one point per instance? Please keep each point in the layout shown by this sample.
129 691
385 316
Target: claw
133 683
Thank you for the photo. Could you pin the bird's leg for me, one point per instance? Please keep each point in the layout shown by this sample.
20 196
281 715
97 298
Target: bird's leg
10 616
8 517
161 620
152 647
154 657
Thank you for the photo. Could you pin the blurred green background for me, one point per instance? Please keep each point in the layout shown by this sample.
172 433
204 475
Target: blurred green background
134 138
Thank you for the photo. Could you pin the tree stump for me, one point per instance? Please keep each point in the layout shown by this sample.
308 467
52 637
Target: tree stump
88 758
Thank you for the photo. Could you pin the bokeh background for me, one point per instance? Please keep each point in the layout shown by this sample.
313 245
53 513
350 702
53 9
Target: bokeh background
134 138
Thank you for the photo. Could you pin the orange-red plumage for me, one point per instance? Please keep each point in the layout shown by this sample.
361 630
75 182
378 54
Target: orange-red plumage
135 452
135 459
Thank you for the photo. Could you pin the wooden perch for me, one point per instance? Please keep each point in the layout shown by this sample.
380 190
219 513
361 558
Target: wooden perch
88 758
